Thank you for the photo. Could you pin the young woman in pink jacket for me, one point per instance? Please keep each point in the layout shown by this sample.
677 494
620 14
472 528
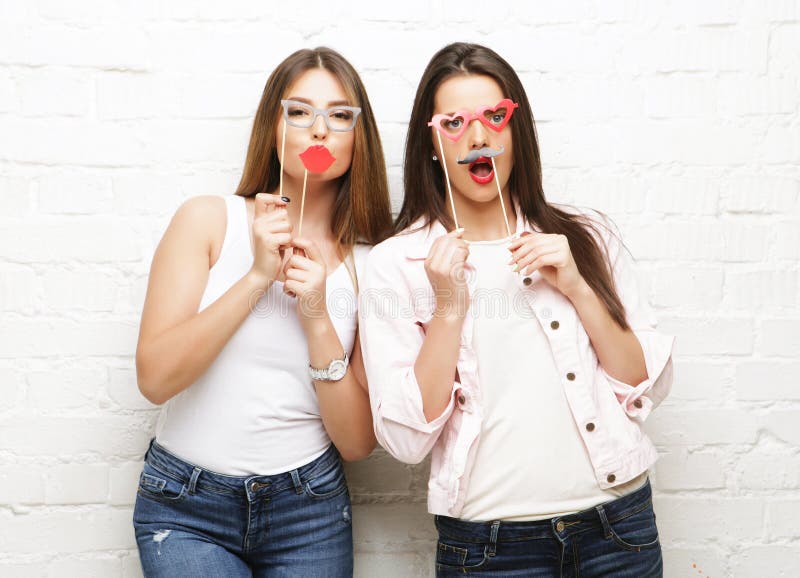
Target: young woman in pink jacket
506 336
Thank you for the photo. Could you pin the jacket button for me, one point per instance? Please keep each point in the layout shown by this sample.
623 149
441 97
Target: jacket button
637 403
462 400
611 478
527 281
590 426
571 376
560 527
554 325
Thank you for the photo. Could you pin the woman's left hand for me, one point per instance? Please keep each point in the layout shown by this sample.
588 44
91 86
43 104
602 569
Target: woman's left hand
551 255
305 279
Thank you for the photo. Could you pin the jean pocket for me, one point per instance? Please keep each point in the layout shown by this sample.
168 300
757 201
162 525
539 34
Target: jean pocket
158 486
636 531
464 555
329 483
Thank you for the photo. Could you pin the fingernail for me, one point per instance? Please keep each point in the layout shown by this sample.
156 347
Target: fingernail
286 199
515 267
460 230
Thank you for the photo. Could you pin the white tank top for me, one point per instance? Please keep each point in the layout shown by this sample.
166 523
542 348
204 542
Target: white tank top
255 410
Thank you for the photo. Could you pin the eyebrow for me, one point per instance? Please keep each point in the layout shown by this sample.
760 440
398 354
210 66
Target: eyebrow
330 103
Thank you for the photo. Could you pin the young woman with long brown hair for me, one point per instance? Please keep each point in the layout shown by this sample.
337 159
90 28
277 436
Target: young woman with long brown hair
249 335
506 335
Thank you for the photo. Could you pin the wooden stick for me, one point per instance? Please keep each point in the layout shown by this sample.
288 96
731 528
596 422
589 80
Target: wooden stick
447 179
500 194
283 148
302 205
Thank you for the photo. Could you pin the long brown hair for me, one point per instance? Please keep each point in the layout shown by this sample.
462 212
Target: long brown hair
362 209
424 185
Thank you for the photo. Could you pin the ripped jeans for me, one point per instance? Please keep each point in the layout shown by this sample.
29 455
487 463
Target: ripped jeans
193 522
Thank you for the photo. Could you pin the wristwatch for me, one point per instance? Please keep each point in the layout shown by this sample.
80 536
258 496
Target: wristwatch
334 372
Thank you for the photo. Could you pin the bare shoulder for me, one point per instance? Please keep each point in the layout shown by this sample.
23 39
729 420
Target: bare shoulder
202 220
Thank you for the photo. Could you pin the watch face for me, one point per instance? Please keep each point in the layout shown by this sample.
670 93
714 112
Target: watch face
337 370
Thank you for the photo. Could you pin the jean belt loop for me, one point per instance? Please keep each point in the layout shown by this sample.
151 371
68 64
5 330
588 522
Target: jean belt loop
193 480
492 548
298 485
604 520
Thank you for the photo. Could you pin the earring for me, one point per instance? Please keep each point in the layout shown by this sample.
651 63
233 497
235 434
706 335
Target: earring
434 158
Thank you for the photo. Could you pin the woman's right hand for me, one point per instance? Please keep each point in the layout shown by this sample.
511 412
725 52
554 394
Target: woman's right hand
272 234
445 268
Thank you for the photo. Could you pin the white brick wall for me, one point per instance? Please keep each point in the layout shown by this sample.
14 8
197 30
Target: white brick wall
680 119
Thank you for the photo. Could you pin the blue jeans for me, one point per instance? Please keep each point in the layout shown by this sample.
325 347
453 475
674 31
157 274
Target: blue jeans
618 538
193 522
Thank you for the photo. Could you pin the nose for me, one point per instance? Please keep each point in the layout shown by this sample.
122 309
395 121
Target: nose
476 133
319 130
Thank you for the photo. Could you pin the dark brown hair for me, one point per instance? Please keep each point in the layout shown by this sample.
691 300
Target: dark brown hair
362 210
424 184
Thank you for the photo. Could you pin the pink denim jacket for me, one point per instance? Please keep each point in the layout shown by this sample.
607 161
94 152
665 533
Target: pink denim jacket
396 304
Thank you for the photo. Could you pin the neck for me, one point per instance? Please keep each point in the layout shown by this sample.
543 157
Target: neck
320 198
483 221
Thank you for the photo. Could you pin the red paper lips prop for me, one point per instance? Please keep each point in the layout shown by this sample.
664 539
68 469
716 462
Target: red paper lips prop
317 159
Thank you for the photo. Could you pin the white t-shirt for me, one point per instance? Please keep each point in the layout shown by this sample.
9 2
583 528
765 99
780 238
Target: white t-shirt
255 410
531 463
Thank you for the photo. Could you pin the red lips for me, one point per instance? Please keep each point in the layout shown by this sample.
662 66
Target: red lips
482 179
317 158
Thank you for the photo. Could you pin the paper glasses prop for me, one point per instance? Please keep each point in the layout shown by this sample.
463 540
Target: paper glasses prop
316 158
453 127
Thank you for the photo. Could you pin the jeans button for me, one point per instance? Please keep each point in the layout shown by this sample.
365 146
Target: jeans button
560 527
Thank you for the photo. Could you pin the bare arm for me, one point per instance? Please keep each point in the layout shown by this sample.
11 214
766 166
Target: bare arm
176 343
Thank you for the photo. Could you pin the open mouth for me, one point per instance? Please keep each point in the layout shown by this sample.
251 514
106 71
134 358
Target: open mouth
481 170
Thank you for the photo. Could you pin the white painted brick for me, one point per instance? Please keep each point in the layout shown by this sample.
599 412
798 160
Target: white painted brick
780 145
44 436
416 564
85 567
691 427
770 289
131 567
76 484
18 288
768 381
757 96
782 424
768 471
67 388
144 193
783 48
40 338
693 561
380 474
685 471
56 530
75 193
10 100
21 484
123 483
687 287
686 195
124 391
780 337
90 144
786 244
79 290
86 239
782 517
688 518
12 384
15 198
759 194
698 336
127 95
393 527
770 560
46 92
23 569
680 96
706 380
